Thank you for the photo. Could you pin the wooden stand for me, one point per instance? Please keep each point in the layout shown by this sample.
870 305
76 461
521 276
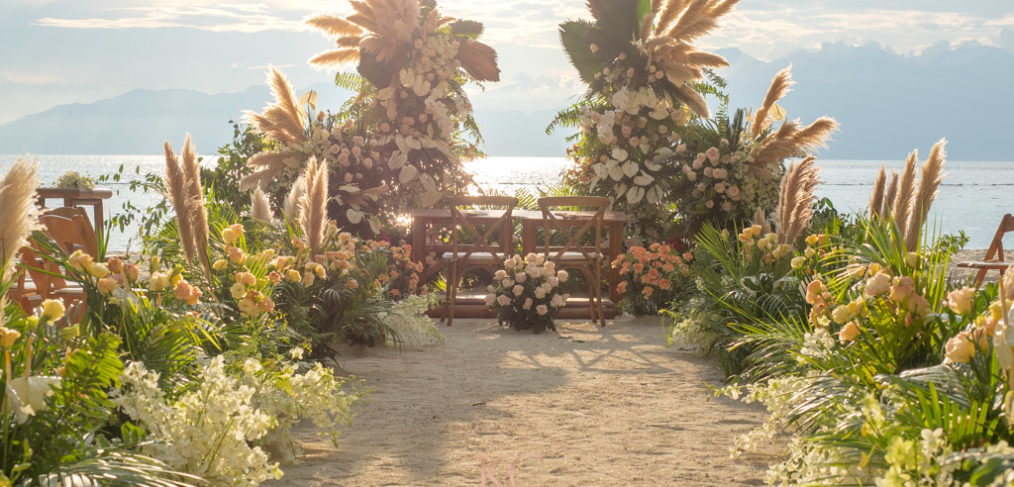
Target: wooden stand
475 307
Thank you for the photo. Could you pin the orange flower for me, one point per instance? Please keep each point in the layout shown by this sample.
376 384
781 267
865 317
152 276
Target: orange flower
621 288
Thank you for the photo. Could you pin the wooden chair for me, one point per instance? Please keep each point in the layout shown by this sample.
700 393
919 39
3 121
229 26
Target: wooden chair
479 239
994 259
70 234
24 292
577 243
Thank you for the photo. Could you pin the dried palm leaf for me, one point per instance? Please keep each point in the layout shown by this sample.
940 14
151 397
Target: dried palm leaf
335 57
334 26
479 61
693 100
281 120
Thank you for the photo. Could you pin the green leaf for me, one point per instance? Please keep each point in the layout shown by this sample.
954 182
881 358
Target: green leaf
577 37
468 28
643 8
617 17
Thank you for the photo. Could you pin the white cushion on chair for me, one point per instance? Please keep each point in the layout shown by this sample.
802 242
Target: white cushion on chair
573 256
474 256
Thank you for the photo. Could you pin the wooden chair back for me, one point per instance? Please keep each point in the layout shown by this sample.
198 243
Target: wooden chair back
581 235
486 233
995 251
71 230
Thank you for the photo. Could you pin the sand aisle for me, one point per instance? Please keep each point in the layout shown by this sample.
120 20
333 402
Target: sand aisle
587 407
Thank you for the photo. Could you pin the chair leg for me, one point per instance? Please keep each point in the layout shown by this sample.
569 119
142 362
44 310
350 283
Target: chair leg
589 276
598 295
452 293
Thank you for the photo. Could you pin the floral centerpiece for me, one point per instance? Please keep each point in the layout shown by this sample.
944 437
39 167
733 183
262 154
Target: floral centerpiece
649 275
399 142
524 293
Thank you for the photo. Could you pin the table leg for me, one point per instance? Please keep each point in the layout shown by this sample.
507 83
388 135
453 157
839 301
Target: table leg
100 226
418 240
528 232
615 249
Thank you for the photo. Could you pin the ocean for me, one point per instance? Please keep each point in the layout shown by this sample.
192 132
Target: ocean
973 196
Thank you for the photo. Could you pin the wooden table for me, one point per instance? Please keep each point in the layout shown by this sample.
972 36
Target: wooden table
531 220
78 197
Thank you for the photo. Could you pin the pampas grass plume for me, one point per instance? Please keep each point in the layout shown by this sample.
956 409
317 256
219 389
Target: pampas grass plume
176 189
877 197
260 207
18 214
929 181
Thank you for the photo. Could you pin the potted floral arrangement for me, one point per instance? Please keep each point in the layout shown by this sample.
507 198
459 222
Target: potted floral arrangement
649 275
524 293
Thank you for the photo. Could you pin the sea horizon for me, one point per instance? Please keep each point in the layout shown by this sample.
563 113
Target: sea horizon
971 197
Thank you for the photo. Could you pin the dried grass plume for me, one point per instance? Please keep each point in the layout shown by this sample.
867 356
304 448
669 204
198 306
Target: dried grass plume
18 214
795 205
177 191
260 206
196 210
929 181
315 205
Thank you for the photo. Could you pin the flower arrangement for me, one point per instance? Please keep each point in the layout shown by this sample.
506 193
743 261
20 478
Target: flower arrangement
524 293
649 275
397 144
74 179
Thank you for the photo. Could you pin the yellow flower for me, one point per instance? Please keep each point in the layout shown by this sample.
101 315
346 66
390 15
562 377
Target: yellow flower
320 271
798 262
98 270
220 264
131 271
79 261
247 307
811 240
246 278
293 276
959 348
159 281
107 285
848 333
232 234
8 336
352 284
308 278
236 255
960 300
52 310
237 290
809 252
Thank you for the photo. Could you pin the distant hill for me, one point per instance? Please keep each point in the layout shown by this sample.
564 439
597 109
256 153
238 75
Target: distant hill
887 104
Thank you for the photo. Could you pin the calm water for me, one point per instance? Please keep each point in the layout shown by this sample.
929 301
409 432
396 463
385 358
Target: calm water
973 196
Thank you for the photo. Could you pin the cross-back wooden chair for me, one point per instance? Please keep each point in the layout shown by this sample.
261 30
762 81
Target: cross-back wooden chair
482 236
994 254
70 234
576 242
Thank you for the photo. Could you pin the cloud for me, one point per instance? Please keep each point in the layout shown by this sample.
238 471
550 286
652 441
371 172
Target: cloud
33 78
772 32
223 18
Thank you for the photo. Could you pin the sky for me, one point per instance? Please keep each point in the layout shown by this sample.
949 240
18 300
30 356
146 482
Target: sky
65 51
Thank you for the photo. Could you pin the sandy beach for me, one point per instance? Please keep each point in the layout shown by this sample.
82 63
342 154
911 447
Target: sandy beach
584 406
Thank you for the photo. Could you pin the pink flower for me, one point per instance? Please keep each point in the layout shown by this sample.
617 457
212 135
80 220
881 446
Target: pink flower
709 204
528 303
733 192
708 172
518 289
335 149
726 207
541 309
681 149
698 163
720 187
712 155
503 300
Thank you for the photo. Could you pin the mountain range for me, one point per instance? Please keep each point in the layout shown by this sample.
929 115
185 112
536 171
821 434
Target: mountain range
887 104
